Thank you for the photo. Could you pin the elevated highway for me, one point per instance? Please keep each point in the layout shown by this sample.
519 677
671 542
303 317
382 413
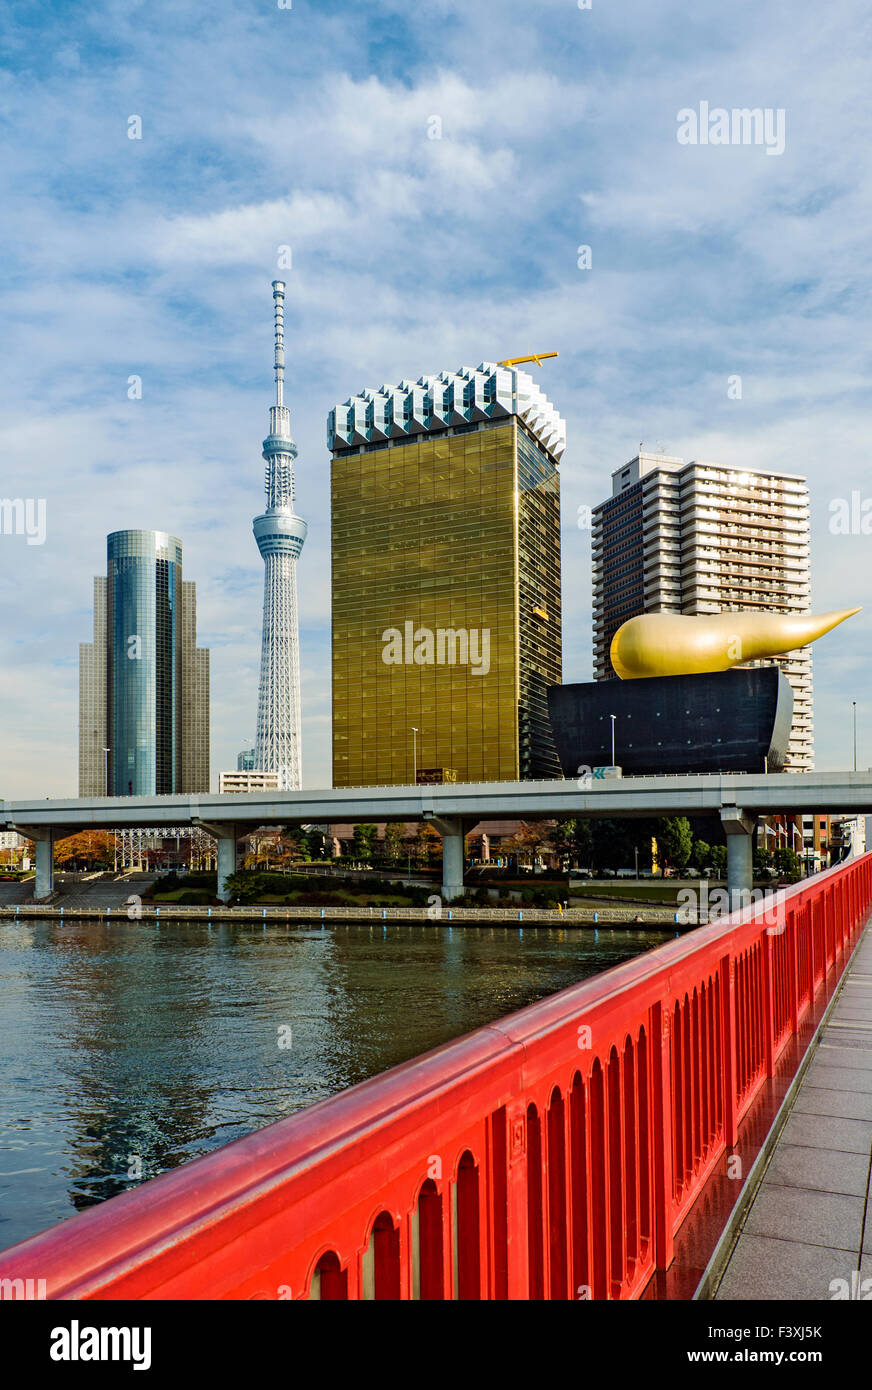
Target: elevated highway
739 799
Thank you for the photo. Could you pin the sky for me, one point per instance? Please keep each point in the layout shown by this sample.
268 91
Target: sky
312 127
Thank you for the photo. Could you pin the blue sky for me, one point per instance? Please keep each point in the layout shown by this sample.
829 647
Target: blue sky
308 127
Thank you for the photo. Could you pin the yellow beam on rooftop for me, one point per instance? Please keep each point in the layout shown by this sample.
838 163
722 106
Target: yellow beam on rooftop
537 357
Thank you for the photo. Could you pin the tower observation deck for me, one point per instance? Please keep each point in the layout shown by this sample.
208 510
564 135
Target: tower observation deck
280 534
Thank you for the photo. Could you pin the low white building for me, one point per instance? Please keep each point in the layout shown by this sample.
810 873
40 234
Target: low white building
852 832
16 845
247 781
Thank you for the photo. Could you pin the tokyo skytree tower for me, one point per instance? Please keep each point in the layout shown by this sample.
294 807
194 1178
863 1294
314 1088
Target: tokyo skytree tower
280 534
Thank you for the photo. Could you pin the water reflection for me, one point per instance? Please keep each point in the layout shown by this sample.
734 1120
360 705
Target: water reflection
128 1048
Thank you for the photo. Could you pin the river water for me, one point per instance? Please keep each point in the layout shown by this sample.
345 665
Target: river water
131 1047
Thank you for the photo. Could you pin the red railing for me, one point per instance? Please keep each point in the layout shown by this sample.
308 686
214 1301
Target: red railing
551 1155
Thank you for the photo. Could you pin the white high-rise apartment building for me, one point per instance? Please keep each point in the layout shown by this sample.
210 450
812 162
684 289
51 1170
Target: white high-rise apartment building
679 537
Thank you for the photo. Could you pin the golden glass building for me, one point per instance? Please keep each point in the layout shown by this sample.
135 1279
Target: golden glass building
445 580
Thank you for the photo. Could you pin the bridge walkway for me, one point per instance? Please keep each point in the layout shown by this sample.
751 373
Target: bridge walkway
810 1222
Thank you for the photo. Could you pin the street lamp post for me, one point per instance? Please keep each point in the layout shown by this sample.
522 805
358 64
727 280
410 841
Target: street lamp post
854 703
613 717
414 756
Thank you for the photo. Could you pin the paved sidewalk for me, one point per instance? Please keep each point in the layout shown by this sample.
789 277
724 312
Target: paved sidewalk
810 1222
74 891
12 892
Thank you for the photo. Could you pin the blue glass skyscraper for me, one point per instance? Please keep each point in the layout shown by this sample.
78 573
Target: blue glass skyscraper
144 570
144 716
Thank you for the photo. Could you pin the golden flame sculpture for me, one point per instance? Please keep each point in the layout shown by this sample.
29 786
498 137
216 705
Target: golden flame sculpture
675 644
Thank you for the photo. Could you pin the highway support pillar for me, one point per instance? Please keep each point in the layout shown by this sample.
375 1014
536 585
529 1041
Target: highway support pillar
451 830
226 837
226 862
44 840
739 828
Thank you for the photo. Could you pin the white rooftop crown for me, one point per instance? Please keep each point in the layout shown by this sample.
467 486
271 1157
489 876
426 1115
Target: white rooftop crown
463 397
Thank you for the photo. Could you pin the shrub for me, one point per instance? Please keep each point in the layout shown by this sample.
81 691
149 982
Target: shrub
316 890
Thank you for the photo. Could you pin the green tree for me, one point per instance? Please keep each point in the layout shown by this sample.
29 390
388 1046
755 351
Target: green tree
562 840
313 843
701 857
786 864
613 844
719 860
395 832
570 838
244 887
674 841
582 843
428 844
364 841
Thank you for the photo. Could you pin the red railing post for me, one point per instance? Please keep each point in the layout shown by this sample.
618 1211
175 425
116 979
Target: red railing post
557 1179
812 918
810 913
662 1103
847 919
518 1282
547 1195
855 909
852 879
820 952
829 933
793 971
728 1027
449 1283
768 1005
495 1206
615 1173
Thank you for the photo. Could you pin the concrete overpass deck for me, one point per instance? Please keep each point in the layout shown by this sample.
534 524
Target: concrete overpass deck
738 798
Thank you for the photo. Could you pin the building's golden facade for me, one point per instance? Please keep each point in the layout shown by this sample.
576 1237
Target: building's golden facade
446 606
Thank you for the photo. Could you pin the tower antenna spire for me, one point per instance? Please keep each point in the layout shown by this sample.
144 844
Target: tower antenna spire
280 534
278 289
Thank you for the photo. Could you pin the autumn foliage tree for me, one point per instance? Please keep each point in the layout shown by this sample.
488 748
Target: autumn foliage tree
90 849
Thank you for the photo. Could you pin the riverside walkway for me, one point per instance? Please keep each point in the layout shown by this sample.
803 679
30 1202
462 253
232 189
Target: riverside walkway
807 1234
434 916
